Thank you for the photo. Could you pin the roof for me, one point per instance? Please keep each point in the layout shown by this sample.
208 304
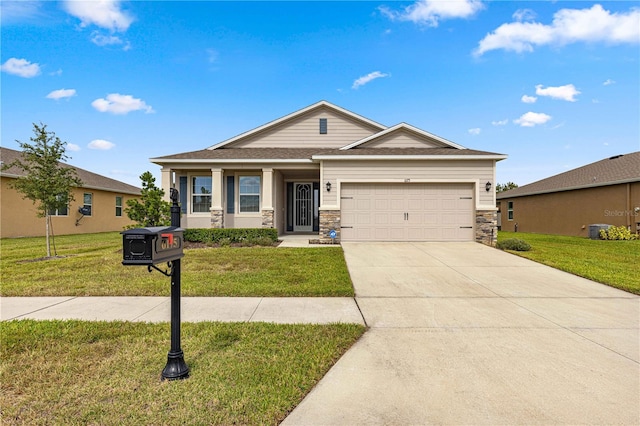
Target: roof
610 171
403 126
89 179
298 113
311 154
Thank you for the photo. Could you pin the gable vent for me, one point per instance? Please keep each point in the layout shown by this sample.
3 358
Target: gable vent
323 126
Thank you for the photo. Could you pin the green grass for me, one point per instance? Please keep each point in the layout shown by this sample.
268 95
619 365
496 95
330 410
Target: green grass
74 372
93 268
614 263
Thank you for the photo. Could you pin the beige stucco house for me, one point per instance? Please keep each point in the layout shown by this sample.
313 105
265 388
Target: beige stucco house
104 198
324 169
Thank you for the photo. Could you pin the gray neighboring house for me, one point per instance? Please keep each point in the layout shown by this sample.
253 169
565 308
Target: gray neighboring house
326 171
604 192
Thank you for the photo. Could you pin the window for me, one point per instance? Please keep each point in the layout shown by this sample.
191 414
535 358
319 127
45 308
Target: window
183 194
200 194
249 194
510 210
88 202
323 126
118 206
61 211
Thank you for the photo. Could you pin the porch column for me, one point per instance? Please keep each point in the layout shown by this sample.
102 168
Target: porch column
166 182
217 213
267 198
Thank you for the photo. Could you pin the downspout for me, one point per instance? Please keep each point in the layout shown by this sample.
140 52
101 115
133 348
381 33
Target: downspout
628 212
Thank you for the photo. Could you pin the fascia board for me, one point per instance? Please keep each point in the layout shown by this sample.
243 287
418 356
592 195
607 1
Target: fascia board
228 160
402 126
293 115
409 157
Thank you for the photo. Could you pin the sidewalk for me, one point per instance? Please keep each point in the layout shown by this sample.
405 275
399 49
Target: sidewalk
303 310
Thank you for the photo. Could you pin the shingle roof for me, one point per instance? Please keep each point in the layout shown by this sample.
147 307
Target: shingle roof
89 179
309 153
613 170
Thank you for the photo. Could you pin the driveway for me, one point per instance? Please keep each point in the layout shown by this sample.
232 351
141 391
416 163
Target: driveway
461 333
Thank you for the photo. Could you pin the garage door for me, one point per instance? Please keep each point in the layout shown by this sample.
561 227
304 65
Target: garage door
407 212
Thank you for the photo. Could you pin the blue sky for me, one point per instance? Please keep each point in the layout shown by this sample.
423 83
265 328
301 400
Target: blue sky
555 85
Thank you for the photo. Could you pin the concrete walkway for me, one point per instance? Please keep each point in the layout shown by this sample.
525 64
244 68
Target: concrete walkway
462 333
310 310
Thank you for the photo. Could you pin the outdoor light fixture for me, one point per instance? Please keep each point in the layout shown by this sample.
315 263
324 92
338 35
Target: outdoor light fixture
487 186
328 185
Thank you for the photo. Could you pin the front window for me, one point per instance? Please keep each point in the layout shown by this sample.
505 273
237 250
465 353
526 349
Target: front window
118 206
510 210
88 203
200 194
61 210
249 194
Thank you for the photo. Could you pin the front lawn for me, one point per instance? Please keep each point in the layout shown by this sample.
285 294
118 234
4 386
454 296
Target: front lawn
615 263
108 373
92 267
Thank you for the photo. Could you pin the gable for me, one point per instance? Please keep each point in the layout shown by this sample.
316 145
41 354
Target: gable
303 131
401 139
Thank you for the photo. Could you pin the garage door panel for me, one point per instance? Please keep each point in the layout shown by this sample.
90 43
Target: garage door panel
408 212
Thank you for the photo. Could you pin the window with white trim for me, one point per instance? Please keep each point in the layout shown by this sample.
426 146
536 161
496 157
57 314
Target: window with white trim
249 194
62 211
118 206
200 194
510 210
88 203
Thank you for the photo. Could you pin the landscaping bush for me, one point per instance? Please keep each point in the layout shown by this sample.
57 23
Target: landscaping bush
227 236
514 244
617 233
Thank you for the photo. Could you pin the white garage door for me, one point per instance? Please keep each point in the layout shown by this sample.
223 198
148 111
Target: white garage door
407 212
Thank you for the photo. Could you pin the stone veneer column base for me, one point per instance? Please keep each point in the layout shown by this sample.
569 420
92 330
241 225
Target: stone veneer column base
267 218
217 218
329 219
487 227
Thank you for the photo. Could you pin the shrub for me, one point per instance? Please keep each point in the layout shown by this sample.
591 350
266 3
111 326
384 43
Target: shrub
514 244
617 233
227 236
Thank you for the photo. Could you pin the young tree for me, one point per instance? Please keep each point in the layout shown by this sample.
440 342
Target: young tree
151 210
46 181
501 187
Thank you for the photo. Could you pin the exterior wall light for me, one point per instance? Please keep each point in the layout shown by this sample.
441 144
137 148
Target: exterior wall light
487 186
328 185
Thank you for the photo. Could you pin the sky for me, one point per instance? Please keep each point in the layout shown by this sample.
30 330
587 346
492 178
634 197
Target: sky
554 85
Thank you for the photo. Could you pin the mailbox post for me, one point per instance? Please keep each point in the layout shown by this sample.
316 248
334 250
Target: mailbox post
148 247
176 368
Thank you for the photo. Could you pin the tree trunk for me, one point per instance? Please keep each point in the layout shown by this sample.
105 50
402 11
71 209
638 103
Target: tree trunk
47 218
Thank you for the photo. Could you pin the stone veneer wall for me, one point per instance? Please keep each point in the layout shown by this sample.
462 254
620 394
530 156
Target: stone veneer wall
267 218
217 218
329 219
487 227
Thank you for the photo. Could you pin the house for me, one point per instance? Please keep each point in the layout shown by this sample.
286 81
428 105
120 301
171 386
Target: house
604 192
103 199
324 168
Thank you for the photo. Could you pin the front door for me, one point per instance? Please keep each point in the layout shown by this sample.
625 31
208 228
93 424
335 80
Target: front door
303 207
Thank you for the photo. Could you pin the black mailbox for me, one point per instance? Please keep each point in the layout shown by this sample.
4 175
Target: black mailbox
148 246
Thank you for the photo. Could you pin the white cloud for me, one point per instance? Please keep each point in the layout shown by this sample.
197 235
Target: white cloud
608 82
109 40
368 78
101 145
528 99
19 11
105 14
61 94
500 122
567 92
430 12
115 103
73 147
475 131
21 68
524 15
56 73
531 119
569 26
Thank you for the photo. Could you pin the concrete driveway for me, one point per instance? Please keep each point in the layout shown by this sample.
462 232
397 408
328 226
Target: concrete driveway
461 333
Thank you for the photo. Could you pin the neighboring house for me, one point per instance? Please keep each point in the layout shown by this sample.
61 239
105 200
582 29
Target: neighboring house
324 169
604 192
104 199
